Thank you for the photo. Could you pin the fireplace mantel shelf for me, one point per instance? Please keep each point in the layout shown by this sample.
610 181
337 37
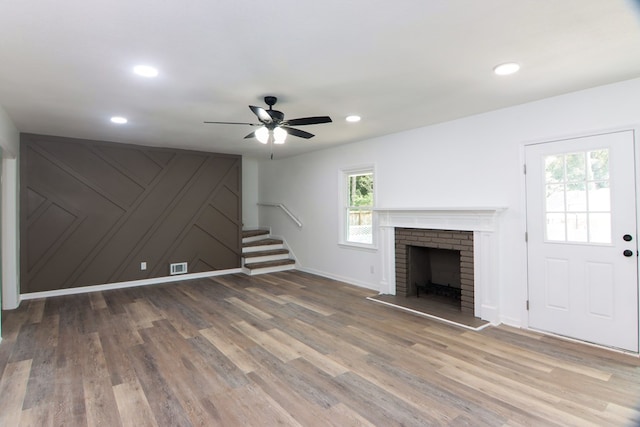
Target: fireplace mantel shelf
451 218
490 209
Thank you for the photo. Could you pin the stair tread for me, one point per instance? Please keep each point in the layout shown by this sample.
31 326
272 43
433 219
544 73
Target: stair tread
266 264
265 253
262 242
261 246
253 233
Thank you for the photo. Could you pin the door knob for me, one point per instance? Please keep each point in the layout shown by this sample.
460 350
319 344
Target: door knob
627 253
627 237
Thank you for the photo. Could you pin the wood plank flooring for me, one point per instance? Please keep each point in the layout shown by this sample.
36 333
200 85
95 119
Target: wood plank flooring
291 349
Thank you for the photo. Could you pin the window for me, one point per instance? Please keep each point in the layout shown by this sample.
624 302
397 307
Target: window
358 207
577 200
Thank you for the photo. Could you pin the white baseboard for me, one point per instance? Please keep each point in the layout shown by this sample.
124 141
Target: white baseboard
512 321
128 284
348 280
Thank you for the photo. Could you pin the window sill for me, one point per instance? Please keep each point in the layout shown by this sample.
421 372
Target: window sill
359 246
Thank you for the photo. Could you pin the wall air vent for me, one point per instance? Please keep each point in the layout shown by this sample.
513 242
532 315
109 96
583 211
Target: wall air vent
178 268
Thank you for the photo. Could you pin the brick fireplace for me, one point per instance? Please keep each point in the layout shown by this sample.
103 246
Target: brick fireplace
445 228
456 241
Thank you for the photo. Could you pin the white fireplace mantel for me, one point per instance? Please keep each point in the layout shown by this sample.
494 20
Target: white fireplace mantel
483 221
441 218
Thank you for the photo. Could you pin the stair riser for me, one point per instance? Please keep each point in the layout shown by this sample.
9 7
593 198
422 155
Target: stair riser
266 258
261 248
256 271
260 261
254 238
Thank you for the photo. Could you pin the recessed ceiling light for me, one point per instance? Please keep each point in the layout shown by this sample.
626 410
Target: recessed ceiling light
506 68
145 71
119 120
353 119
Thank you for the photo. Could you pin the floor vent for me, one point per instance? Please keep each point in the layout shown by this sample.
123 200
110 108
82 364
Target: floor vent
178 268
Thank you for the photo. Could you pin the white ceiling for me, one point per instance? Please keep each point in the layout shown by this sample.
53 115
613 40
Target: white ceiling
66 65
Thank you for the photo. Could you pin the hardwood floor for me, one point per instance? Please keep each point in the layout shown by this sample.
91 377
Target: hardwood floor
291 349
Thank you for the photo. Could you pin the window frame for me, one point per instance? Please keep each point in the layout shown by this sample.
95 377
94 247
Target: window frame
344 207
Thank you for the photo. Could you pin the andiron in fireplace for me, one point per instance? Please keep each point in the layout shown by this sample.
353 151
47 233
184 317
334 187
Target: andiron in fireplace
442 290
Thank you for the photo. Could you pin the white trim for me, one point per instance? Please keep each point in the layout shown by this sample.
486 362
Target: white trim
441 218
430 316
128 284
359 246
347 280
577 341
483 221
343 206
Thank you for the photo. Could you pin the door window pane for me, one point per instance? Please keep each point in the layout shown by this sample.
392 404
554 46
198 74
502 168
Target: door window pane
556 227
577 227
600 227
576 168
555 198
599 196
554 169
599 165
577 197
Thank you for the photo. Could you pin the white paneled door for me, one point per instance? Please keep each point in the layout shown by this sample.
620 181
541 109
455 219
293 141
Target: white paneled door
582 239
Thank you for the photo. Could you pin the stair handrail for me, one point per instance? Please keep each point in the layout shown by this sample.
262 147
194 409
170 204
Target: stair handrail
285 210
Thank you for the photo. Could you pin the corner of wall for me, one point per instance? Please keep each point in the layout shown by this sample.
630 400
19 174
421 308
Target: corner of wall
250 193
9 136
10 144
9 227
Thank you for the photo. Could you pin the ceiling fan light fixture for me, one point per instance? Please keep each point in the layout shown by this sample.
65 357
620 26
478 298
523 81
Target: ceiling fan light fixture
353 119
262 135
273 128
280 135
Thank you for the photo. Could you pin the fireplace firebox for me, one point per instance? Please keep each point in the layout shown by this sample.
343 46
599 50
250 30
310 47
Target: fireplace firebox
437 262
434 272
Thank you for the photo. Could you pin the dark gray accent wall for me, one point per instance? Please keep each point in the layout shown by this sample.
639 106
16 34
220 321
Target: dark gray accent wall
92 211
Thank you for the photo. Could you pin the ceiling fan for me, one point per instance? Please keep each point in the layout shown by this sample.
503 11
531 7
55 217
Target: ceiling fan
273 126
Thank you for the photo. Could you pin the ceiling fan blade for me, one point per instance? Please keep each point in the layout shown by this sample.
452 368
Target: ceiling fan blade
297 132
251 135
262 114
235 123
309 121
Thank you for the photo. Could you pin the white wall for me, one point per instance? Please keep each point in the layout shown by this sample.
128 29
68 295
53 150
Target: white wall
9 141
9 135
249 193
472 162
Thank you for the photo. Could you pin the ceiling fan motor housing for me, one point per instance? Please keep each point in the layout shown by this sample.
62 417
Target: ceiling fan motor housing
270 100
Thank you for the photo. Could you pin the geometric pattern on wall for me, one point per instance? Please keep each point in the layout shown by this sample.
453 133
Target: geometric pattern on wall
92 211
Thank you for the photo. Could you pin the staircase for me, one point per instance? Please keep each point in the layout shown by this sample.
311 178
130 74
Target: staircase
263 254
